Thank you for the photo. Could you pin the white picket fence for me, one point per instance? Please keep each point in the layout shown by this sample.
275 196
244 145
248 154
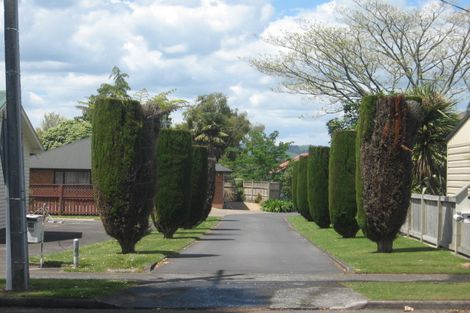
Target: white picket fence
430 219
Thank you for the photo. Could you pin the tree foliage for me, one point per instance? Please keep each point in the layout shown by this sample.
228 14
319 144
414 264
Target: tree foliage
302 189
257 156
430 150
317 182
118 171
64 133
214 124
173 183
341 184
377 48
387 131
118 89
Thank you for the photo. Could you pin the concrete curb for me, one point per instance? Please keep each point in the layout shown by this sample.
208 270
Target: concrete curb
54 303
423 305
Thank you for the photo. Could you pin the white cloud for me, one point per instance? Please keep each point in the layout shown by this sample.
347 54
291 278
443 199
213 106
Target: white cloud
195 46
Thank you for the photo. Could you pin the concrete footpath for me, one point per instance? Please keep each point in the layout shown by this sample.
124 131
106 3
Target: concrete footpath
248 262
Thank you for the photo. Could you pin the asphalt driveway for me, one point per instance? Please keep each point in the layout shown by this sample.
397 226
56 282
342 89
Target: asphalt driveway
249 260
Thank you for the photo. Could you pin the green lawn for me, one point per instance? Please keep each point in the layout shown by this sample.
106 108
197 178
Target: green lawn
409 256
68 288
106 256
412 290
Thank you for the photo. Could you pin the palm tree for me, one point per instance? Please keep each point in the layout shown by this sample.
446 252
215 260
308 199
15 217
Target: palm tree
429 153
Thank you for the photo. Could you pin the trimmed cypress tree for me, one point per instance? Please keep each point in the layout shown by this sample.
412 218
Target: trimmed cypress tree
199 184
387 134
173 182
295 170
317 178
341 184
302 186
117 168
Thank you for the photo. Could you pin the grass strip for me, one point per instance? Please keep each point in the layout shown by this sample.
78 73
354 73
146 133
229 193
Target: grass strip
412 290
106 256
68 288
408 257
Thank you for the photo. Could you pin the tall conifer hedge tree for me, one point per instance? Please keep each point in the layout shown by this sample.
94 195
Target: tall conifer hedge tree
199 185
317 178
173 182
386 134
302 195
119 188
341 183
295 171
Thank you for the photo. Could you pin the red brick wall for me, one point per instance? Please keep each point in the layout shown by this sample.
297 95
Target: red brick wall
41 177
218 201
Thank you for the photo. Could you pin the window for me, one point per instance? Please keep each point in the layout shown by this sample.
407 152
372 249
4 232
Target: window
72 177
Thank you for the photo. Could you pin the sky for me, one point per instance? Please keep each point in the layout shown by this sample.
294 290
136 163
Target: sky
195 47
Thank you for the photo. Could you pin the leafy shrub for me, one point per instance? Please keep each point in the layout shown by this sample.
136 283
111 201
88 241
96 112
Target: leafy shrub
277 206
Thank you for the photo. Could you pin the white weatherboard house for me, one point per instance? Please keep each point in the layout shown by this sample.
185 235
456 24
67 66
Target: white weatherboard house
31 145
458 156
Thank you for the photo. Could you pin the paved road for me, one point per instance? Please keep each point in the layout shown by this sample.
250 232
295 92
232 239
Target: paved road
251 260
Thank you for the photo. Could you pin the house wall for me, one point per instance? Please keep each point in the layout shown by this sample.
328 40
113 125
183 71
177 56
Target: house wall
40 176
458 160
218 201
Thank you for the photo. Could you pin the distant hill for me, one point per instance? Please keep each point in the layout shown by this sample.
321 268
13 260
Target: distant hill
295 150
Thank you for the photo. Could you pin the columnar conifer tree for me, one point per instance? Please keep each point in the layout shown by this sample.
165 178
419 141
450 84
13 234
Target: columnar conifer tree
341 183
173 182
386 134
119 181
302 186
199 186
295 172
317 179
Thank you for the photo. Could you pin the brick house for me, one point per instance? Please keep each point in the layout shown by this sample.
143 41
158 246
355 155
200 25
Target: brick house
61 179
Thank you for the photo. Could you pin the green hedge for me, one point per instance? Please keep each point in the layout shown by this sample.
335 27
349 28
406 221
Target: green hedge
302 189
117 164
173 187
364 128
317 177
295 173
199 185
341 184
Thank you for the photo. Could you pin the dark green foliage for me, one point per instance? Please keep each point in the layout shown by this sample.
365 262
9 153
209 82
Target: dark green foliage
199 186
173 190
302 186
386 166
277 206
295 173
119 189
341 183
364 126
317 180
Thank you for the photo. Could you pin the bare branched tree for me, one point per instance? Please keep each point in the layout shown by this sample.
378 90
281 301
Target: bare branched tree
377 48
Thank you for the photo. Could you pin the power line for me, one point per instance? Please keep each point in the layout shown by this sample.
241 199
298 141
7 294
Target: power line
455 6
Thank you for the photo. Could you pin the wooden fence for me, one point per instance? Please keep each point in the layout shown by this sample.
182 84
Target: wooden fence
430 219
62 199
263 189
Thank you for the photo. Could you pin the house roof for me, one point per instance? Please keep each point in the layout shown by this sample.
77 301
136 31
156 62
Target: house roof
285 164
464 116
75 155
221 169
28 130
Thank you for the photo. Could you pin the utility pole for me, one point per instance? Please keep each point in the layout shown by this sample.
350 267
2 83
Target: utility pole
17 271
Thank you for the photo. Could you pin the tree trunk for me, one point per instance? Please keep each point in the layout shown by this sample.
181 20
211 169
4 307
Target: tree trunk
385 246
127 247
